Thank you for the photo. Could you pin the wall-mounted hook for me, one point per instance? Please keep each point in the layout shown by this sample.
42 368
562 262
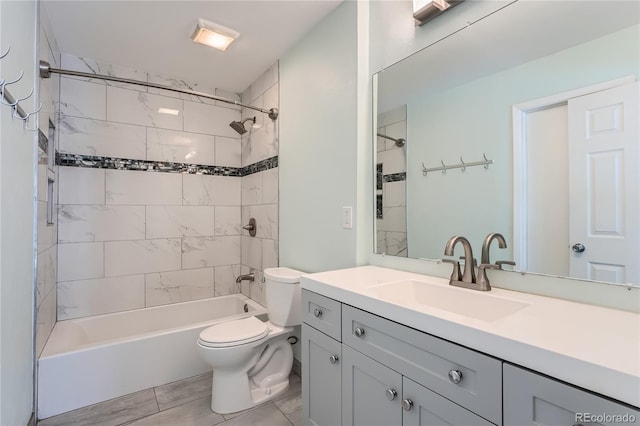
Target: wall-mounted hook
487 162
5 53
14 106
26 120
5 84
444 168
462 163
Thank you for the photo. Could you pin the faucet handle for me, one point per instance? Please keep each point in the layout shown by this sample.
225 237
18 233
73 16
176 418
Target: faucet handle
455 274
483 280
499 263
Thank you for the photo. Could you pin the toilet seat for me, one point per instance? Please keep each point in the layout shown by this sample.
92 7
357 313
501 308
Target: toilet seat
233 333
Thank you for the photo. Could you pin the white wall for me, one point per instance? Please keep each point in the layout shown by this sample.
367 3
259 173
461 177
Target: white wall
17 199
318 145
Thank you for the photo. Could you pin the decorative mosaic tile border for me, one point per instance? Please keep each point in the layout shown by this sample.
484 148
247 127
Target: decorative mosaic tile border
96 162
43 142
395 177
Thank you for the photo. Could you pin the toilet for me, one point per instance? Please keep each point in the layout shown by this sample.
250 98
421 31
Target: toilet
251 359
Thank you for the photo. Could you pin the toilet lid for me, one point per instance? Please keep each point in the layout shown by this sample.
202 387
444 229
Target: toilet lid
232 333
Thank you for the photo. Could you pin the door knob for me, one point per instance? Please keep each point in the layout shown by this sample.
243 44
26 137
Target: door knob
578 248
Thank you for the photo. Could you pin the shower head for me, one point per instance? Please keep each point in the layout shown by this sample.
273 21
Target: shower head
238 126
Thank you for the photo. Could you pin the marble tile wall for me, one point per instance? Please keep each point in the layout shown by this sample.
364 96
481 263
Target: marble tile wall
391 228
259 192
46 272
131 239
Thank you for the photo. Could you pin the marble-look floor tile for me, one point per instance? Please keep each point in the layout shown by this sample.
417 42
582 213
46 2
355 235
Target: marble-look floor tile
290 403
265 415
114 412
195 413
183 391
296 417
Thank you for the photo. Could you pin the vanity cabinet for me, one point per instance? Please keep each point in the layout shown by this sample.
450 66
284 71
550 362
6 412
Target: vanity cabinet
533 399
321 360
375 395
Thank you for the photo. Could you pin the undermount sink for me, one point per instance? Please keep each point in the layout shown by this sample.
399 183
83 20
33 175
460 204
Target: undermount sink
470 303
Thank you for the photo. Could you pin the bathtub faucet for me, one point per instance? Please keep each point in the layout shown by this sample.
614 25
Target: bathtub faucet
249 277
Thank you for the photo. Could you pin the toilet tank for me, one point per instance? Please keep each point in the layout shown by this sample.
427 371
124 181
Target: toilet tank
282 289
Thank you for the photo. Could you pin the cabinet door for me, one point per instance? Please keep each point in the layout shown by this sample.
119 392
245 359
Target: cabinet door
427 408
371 392
321 378
533 399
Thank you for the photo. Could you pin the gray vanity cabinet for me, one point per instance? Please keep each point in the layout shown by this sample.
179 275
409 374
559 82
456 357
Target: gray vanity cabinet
321 361
372 393
534 399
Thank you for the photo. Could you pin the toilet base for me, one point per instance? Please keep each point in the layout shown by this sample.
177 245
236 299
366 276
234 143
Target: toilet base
232 394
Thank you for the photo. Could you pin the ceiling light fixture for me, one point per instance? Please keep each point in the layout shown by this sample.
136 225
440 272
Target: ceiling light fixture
168 111
214 35
425 10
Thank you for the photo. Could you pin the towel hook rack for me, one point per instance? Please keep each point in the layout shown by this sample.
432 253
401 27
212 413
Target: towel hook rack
462 165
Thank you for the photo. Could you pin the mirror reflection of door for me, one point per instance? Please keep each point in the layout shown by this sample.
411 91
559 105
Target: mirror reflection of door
584 222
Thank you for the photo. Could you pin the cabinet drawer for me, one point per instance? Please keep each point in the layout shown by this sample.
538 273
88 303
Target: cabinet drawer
533 399
429 360
322 313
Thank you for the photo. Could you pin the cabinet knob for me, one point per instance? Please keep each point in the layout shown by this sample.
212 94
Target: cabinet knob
359 331
333 359
455 376
317 312
391 394
407 404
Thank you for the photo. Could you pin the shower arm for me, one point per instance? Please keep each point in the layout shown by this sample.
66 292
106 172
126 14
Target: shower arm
46 71
399 142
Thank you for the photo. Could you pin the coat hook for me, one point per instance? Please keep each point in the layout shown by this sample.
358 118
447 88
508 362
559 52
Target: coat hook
6 83
444 167
424 169
15 104
5 53
464 166
26 119
486 165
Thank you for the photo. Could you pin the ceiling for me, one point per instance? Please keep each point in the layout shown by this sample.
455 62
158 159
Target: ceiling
154 36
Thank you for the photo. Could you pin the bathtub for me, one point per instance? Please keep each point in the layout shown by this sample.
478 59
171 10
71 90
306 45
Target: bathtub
93 359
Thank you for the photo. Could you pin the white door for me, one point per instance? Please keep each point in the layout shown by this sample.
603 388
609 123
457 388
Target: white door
604 185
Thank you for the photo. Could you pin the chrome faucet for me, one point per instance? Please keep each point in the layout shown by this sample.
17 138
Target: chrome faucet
249 277
485 262
468 277
486 244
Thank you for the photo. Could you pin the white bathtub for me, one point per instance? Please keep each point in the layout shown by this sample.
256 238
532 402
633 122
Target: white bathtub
93 359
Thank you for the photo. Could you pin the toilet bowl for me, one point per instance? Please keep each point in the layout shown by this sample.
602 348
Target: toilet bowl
252 359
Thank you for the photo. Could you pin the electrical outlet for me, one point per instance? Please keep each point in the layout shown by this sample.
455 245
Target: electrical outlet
347 217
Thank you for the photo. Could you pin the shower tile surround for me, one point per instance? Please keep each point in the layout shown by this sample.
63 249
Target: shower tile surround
47 173
151 205
391 205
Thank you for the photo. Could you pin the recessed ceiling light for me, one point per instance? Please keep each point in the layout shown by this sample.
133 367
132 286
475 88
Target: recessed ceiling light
214 35
168 111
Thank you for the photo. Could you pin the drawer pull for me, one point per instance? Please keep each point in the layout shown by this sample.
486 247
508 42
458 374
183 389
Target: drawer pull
407 404
455 376
333 359
391 394
317 312
359 331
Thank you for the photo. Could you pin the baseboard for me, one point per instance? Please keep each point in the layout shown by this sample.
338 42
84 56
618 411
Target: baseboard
32 420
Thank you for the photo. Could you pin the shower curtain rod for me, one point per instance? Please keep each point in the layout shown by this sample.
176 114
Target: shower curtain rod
46 71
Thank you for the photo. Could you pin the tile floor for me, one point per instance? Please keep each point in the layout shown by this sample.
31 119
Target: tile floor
183 403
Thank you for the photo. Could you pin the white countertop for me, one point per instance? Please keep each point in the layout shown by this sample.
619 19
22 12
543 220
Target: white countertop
589 346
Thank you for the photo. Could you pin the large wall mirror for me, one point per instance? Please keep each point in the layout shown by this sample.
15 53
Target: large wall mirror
523 123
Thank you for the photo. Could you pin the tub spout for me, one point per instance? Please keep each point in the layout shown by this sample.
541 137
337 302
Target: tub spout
249 277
